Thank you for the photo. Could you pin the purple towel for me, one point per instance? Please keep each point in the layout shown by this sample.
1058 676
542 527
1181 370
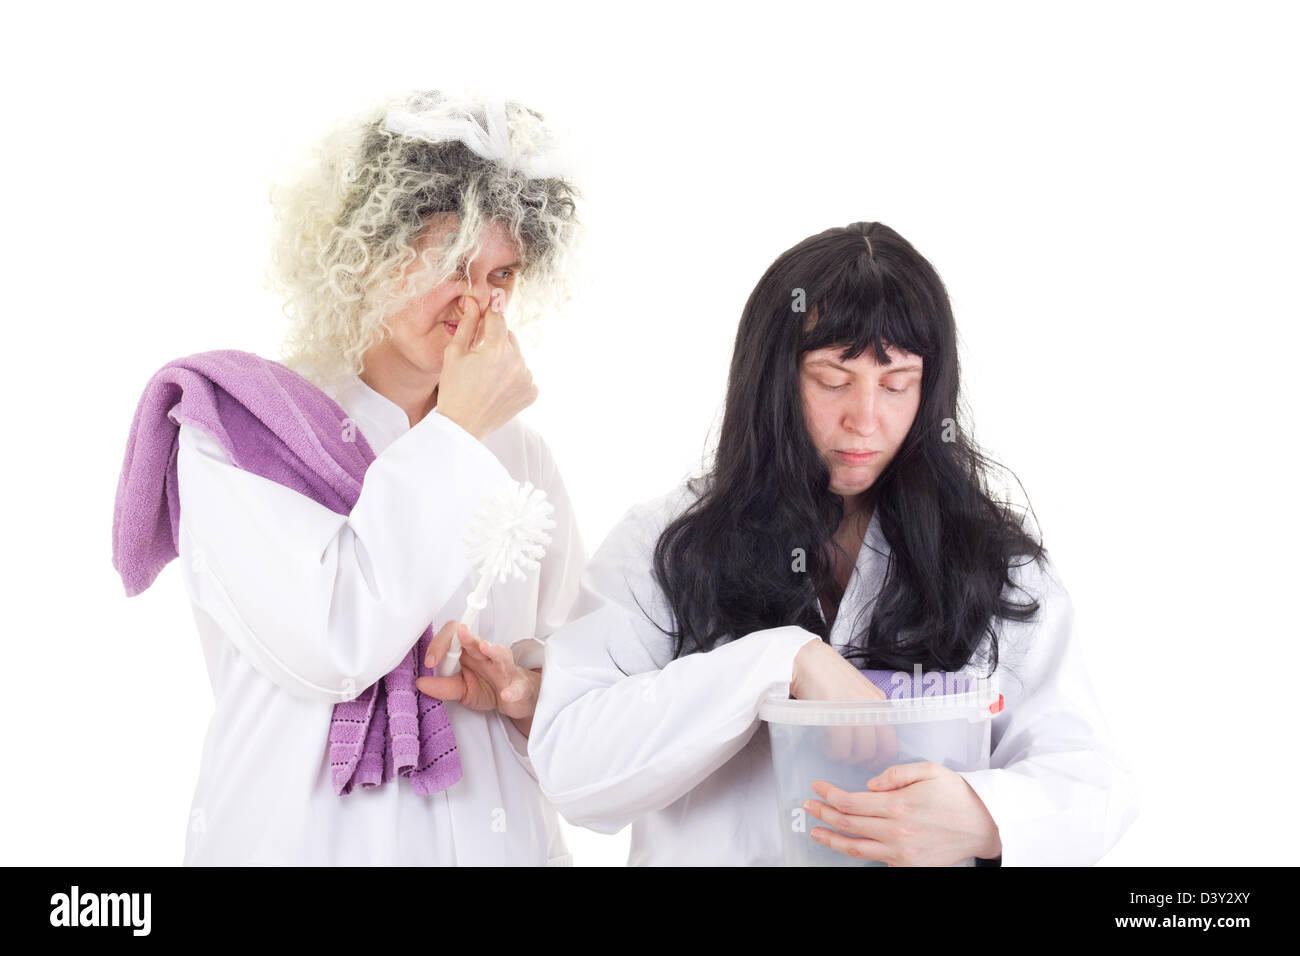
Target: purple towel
274 423
901 685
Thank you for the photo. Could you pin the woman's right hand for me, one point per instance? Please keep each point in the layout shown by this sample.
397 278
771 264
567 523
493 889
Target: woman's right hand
489 679
484 385
820 673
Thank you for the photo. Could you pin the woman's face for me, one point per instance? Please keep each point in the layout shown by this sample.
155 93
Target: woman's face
421 331
858 412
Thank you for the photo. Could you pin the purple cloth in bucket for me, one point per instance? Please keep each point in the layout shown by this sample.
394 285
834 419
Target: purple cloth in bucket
274 423
901 685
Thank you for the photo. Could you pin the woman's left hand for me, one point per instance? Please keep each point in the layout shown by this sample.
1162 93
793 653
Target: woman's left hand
913 814
489 679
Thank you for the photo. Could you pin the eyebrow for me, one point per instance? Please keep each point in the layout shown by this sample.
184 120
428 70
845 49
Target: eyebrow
516 265
889 369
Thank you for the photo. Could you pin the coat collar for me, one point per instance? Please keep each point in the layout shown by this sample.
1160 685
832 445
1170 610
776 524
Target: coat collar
864 583
380 419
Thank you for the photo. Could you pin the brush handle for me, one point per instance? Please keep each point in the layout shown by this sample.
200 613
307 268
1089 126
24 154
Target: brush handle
449 666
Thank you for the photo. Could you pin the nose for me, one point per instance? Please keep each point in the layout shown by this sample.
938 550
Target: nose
860 417
479 291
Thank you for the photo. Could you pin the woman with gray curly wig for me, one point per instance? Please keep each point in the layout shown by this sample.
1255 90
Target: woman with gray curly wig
400 246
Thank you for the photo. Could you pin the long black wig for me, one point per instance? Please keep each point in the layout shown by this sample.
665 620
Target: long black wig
725 564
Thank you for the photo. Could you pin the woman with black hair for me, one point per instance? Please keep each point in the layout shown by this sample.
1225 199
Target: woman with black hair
846 522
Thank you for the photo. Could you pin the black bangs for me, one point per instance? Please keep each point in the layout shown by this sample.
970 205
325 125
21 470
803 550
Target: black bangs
862 310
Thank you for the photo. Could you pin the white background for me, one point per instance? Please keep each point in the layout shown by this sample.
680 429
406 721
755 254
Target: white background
1108 190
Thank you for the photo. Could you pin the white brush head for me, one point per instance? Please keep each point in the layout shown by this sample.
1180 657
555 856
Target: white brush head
509 533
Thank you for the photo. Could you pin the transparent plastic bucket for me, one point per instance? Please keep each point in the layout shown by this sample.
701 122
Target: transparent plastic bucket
846 743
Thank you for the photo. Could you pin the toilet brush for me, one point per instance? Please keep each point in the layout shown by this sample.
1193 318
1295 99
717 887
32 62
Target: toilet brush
508 536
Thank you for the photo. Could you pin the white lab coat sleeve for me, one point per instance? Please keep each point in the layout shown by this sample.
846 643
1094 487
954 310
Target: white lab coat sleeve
558 579
324 604
621 728
1056 788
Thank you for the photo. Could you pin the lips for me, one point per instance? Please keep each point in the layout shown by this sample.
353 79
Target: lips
856 457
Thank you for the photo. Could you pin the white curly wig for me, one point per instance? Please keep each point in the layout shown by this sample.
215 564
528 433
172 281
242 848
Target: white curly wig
349 219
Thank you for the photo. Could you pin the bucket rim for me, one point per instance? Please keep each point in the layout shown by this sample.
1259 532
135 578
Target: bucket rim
981 703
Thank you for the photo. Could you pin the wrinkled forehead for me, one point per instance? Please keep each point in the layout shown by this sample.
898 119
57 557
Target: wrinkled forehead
497 244
493 248
494 235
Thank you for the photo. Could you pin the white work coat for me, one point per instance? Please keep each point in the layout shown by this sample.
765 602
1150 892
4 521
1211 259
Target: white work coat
624 734
294 603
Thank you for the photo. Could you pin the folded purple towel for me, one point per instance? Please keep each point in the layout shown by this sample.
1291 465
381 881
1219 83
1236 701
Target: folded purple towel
274 423
901 685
